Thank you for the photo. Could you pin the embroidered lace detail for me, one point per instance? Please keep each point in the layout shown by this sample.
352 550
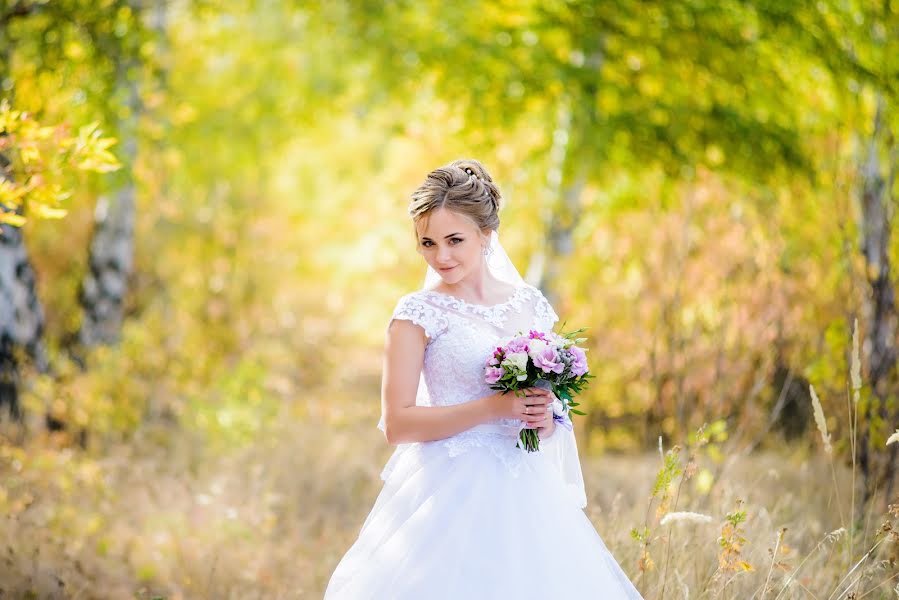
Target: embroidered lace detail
426 316
494 315
462 336
546 316
501 446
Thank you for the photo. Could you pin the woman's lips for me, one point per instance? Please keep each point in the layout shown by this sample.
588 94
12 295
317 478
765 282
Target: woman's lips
448 268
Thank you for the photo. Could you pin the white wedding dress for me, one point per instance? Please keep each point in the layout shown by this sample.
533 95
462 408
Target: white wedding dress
472 516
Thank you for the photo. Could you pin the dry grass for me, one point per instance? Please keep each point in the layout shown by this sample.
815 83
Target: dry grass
163 517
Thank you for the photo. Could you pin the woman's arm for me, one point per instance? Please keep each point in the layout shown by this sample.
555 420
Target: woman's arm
405 422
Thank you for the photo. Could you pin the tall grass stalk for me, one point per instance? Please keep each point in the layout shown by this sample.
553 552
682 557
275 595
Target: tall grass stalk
872 590
833 535
780 537
821 422
867 524
851 571
680 484
856 379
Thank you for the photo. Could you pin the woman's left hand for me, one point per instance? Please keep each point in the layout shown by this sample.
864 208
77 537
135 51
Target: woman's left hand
546 427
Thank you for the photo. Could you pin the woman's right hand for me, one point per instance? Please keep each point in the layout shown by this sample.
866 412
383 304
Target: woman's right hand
532 407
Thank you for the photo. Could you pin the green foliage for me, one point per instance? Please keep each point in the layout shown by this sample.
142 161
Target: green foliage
670 470
716 232
42 163
67 56
236 409
293 131
731 542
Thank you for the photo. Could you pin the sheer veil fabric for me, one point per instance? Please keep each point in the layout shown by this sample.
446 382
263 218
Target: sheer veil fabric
561 447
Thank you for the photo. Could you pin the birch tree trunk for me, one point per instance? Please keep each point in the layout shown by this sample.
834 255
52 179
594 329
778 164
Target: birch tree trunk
536 272
105 284
877 464
21 314
566 175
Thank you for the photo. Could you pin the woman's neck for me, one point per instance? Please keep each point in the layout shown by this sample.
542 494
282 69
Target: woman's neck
482 289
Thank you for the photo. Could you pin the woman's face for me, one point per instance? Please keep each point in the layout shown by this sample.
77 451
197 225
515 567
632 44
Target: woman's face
451 244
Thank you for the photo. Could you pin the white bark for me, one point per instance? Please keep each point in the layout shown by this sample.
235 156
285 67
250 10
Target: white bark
110 262
21 314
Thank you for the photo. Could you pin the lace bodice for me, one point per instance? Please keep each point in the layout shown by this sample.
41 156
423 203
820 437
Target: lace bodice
461 336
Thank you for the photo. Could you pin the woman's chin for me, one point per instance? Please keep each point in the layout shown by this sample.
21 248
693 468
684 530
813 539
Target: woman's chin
451 276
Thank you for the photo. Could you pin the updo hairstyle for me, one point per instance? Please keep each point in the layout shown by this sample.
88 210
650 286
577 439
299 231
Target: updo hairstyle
465 187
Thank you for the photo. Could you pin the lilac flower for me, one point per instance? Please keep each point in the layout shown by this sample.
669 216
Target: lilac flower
518 344
494 374
579 364
548 360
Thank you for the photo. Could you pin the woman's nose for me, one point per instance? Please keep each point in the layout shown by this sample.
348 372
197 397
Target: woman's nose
443 253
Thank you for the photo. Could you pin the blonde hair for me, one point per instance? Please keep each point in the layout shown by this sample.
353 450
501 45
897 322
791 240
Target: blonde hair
465 187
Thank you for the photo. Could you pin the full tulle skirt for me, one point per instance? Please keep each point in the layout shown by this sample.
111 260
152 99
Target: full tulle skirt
469 526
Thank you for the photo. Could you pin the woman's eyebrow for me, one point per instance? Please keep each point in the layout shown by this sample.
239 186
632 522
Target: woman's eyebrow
444 237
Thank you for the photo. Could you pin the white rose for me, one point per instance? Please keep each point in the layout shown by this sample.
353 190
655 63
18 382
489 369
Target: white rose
535 347
558 408
518 360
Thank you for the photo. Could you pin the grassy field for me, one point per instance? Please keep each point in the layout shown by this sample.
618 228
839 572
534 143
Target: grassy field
165 516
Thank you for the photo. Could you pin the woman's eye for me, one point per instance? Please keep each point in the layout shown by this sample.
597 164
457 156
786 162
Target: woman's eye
455 240
427 243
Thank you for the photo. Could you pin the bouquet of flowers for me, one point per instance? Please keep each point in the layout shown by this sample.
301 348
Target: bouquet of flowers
550 361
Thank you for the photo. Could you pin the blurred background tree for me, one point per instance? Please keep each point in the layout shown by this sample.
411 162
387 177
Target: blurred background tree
709 187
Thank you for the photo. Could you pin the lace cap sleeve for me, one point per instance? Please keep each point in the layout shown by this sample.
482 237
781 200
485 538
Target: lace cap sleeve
546 316
427 316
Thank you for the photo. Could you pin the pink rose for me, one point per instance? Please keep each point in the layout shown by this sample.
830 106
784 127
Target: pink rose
579 364
493 374
518 344
547 360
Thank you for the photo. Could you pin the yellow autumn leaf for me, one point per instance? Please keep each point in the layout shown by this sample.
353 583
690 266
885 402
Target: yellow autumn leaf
99 166
29 154
48 212
8 117
108 158
86 131
44 133
12 218
11 194
745 566
104 143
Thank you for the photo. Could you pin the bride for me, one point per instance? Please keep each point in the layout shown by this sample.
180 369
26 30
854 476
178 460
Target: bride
463 512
